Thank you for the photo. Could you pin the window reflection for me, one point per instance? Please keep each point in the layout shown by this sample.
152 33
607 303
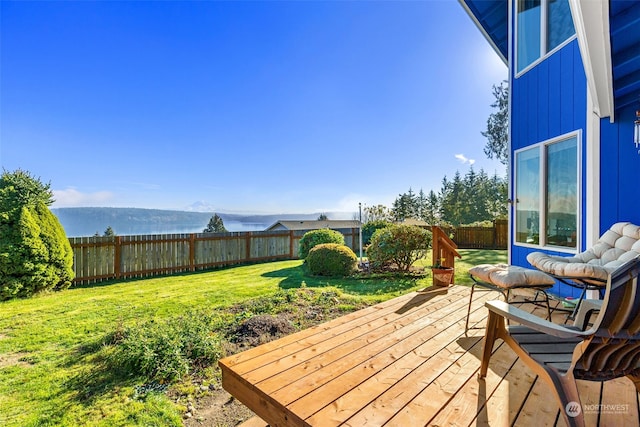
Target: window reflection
528 196
558 203
562 193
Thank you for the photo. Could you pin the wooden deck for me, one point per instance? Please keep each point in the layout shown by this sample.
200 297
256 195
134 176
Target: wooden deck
407 362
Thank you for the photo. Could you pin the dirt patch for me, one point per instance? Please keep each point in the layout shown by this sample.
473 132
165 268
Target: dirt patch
262 328
14 359
217 409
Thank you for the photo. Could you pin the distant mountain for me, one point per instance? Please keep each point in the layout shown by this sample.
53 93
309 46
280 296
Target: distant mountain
79 222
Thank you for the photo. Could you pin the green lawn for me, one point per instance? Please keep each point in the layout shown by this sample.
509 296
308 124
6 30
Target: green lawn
54 352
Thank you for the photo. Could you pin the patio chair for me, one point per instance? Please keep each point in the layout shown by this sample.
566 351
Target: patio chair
560 355
590 269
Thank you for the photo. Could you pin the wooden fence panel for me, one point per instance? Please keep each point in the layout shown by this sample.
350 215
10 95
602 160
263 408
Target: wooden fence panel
219 249
495 237
269 245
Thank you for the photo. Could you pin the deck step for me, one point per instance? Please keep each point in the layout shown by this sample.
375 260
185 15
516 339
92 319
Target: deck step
254 422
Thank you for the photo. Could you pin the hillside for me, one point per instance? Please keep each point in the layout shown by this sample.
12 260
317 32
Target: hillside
79 222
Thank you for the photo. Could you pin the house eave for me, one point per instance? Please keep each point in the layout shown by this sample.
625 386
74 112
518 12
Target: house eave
591 20
484 32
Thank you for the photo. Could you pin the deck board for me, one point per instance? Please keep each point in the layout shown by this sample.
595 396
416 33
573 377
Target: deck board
405 362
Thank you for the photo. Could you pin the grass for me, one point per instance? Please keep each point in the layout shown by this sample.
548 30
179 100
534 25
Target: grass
56 357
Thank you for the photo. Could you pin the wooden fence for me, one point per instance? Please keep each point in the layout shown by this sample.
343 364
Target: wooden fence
119 257
97 259
495 237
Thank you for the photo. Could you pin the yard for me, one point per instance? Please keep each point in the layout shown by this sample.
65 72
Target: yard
57 350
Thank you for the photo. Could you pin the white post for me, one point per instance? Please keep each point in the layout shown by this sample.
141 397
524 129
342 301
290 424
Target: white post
360 232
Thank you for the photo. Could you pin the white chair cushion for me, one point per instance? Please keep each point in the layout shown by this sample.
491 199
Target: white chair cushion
616 246
510 276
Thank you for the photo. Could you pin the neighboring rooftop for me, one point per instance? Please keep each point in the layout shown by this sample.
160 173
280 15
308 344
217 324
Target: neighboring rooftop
314 225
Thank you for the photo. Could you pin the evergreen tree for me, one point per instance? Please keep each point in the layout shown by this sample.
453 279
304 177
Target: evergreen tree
422 204
216 225
405 206
432 211
497 197
109 232
323 217
452 205
473 196
35 253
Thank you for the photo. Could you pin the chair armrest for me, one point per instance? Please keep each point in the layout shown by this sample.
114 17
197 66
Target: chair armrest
524 318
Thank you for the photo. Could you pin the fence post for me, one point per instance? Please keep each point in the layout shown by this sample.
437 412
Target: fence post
192 252
117 261
290 244
495 234
247 243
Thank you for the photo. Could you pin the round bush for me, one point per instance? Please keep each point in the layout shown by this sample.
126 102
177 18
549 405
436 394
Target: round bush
401 245
331 259
317 237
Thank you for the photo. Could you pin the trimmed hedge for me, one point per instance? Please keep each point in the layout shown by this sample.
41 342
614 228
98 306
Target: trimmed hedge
317 237
331 259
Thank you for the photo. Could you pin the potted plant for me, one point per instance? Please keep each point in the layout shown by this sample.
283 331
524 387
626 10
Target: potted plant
442 276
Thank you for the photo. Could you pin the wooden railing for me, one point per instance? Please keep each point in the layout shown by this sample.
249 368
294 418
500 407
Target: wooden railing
444 249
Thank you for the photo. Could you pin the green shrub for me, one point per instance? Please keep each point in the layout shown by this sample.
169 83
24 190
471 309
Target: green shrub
35 254
399 245
168 350
370 227
331 259
317 237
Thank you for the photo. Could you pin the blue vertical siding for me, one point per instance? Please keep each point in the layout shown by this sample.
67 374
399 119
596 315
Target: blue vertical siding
620 166
609 165
548 101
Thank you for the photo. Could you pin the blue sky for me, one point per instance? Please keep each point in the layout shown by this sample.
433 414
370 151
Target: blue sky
267 106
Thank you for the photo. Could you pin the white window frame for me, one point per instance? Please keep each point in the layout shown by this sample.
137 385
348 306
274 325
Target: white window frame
544 5
542 149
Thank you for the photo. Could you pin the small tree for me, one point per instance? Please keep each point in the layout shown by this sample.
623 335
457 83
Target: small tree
315 237
216 225
109 232
35 253
401 245
323 217
376 213
497 132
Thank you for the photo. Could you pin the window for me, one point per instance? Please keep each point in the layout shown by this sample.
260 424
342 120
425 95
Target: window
542 26
546 210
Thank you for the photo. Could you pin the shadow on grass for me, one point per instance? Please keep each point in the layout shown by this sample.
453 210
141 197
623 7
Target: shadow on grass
297 277
95 373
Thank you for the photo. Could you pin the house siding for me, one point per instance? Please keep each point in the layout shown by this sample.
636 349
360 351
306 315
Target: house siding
620 160
548 101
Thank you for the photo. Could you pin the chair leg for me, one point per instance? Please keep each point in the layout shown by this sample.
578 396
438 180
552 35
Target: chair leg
466 325
570 404
546 300
494 323
573 314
